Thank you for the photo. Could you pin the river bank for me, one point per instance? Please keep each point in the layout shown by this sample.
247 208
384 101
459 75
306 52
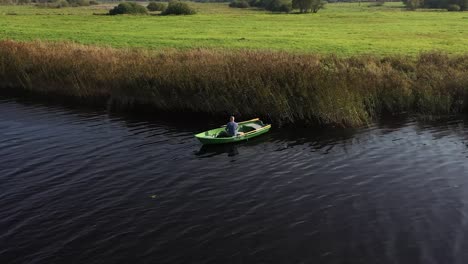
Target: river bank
277 86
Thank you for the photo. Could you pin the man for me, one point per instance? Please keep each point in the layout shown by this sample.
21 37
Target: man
232 127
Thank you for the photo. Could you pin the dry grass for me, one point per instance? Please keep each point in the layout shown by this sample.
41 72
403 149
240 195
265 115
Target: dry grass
282 87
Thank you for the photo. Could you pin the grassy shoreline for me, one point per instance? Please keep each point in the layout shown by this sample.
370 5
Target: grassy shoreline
282 87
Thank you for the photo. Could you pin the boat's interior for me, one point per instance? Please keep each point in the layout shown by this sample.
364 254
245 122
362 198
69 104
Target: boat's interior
242 128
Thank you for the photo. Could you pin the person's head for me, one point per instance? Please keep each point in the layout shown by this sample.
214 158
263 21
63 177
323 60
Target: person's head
231 119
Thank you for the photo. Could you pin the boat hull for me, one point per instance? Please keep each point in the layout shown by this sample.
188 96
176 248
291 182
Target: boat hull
252 128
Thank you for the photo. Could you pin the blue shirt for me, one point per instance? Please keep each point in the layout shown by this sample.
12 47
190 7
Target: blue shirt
231 128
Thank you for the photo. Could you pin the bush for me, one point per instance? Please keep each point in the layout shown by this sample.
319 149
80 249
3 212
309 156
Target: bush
23 2
464 5
239 4
453 8
306 6
154 6
279 6
377 3
178 8
128 8
62 3
92 2
256 3
76 3
57 4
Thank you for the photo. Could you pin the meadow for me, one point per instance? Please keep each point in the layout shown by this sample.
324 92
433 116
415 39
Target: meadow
342 29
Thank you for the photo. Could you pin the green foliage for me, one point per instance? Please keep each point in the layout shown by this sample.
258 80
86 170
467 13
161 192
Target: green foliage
256 3
178 8
62 3
23 2
413 4
239 4
128 8
55 4
306 6
450 5
463 5
76 3
453 7
155 6
377 3
93 2
279 5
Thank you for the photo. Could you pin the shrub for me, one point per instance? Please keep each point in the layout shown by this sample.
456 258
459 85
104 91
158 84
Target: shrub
92 2
178 8
57 4
128 8
23 2
256 3
239 4
279 6
377 3
306 6
453 8
62 3
464 5
413 4
76 3
154 6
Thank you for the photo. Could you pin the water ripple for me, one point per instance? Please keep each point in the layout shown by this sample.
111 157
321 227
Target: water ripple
85 186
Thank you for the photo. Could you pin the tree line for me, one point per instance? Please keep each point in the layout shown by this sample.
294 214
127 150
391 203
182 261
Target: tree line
450 5
286 6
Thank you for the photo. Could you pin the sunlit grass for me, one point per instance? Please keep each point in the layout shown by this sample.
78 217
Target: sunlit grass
340 29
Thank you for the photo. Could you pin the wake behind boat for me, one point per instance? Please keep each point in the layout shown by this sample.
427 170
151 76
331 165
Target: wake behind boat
248 129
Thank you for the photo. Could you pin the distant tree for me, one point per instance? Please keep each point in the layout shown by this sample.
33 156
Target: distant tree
463 5
413 4
302 5
453 8
279 6
317 5
178 8
154 6
239 4
306 6
256 3
451 5
128 8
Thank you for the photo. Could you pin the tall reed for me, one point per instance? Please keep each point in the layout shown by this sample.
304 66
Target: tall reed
282 87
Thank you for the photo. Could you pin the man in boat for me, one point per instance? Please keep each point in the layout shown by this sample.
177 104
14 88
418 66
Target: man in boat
232 127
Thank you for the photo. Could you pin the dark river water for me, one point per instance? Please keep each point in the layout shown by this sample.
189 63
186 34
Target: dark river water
84 186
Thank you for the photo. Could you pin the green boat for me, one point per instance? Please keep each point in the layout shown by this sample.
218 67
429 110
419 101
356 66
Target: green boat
248 129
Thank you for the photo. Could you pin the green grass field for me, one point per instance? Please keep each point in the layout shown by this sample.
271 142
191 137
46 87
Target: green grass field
342 29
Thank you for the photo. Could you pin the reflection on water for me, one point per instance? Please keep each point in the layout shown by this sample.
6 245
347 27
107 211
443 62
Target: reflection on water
83 186
213 150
